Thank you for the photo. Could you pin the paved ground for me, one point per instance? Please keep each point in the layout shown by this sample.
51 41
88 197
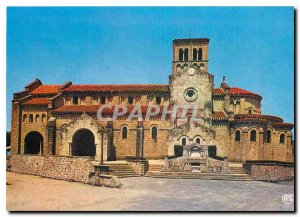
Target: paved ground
26 192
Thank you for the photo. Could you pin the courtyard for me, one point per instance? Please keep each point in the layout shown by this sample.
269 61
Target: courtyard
33 193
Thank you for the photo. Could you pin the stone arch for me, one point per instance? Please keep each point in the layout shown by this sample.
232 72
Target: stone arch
43 117
282 138
83 122
34 143
31 118
253 135
83 143
25 118
37 118
154 131
198 139
237 136
183 140
269 134
124 131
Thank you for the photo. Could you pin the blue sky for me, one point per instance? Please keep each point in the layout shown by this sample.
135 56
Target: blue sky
252 46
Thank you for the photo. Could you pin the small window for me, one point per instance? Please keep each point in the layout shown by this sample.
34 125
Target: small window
24 118
30 118
237 136
180 55
183 141
200 54
75 100
102 99
130 100
186 54
269 136
158 100
250 111
282 138
198 140
154 132
194 54
43 118
253 136
124 132
37 118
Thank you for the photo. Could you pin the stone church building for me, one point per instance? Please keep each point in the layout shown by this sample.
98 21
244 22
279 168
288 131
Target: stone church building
61 119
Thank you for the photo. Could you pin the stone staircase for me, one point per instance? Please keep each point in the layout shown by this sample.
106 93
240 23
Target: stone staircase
121 170
235 173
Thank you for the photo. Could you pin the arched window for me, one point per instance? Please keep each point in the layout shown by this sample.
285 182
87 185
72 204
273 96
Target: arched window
75 100
37 118
200 54
269 136
43 117
102 99
180 54
158 100
237 136
24 118
186 54
183 141
194 54
253 136
30 118
130 100
124 132
154 132
250 111
198 140
282 138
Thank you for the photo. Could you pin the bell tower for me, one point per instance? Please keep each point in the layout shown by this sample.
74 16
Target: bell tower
190 83
190 53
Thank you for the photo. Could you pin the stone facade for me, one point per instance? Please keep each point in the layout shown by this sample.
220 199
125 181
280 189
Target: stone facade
61 120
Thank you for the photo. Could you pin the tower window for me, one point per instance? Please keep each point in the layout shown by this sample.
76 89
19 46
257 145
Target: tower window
269 136
124 132
180 55
102 99
198 140
195 54
75 100
158 100
154 132
130 100
200 54
253 136
282 138
237 136
30 118
183 141
186 54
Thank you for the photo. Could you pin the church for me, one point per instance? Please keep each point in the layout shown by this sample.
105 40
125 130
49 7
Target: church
61 119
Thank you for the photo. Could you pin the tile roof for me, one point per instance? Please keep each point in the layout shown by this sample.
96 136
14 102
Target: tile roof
258 117
37 101
219 116
118 88
235 91
283 124
46 89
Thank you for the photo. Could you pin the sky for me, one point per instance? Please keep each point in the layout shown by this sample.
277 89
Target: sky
252 46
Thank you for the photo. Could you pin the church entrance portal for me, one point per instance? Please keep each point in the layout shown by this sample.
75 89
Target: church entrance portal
83 143
33 143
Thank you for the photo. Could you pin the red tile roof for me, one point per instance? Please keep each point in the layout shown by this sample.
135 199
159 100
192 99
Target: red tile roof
37 101
240 92
235 91
46 89
284 124
218 91
118 88
257 117
219 116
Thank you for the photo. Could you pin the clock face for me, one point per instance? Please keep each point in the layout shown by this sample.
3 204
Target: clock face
190 94
191 71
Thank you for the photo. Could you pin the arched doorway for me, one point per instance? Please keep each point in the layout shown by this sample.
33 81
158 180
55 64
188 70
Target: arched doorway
83 143
33 143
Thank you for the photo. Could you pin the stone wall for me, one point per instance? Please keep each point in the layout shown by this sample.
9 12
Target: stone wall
139 166
63 168
270 172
